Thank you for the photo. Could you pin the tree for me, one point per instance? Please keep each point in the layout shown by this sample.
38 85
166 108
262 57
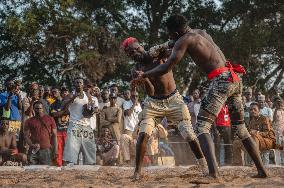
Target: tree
252 35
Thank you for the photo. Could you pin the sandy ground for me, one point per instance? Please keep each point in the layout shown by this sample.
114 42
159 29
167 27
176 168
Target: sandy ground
96 176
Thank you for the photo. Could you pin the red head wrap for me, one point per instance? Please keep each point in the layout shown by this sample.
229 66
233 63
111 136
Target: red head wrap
127 42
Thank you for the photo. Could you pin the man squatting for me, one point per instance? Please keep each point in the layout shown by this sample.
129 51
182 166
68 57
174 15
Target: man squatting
163 101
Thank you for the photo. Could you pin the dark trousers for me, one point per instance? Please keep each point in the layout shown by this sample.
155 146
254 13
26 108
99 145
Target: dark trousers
42 157
225 134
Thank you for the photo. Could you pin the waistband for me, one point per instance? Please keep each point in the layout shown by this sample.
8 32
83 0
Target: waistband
232 68
217 72
164 97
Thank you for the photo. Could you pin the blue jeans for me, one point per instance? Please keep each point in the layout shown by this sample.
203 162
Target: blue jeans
80 137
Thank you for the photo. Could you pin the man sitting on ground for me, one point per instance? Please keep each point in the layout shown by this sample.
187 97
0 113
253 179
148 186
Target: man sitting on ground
108 149
8 148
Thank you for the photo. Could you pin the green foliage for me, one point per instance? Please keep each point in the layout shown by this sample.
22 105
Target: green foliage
52 41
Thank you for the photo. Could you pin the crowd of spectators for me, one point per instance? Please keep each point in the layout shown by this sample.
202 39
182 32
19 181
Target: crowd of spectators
55 125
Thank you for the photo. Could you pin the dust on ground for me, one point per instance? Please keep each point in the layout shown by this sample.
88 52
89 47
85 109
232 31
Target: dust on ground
152 177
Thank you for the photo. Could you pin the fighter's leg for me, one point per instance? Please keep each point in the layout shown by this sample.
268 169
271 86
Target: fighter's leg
203 126
236 111
217 132
178 113
188 134
146 128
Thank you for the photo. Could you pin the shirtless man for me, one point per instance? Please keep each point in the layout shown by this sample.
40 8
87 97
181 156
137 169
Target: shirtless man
163 101
8 145
225 86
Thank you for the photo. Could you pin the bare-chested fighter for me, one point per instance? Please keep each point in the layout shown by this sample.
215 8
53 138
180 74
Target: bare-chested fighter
163 101
225 86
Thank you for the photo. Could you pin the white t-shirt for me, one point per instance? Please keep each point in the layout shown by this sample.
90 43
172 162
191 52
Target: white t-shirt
267 112
119 102
131 121
76 108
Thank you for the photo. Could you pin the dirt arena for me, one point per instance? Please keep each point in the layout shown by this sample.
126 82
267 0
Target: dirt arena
96 176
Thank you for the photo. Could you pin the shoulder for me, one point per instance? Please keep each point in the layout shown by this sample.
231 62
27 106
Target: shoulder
29 121
186 39
47 117
3 95
200 31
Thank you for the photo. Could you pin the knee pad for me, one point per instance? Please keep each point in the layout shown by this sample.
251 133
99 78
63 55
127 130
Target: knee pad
147 126
186 130
203 125
241 131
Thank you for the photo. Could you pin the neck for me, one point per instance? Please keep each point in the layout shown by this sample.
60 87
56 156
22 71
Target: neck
185 30
79 91
112 105
39 115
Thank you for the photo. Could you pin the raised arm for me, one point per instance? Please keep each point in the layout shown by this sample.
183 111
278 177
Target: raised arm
177 54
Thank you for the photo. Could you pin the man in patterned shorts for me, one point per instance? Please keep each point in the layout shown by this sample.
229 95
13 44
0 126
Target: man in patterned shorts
225 86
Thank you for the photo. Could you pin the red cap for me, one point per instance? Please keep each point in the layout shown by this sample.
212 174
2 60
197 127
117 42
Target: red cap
128 41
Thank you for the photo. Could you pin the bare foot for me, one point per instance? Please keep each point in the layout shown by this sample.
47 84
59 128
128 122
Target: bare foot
137 176
215 175
261 174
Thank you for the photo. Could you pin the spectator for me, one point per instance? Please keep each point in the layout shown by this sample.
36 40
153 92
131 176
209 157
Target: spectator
131 108
88 86
248 96
278 123
39 130
47 95
8 146
43 99
111 117
61 118
264 110
32 97
89 90
258 93
223 131
119 103
119 100
64 92
11 105
269 103
18 84
105 97
97 93
194 106
108 148
260 128
80 134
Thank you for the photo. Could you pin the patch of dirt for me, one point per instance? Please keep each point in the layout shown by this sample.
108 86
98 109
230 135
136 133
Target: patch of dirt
152 177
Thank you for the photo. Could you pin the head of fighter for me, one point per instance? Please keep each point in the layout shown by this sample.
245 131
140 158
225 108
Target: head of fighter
177 26
133 49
